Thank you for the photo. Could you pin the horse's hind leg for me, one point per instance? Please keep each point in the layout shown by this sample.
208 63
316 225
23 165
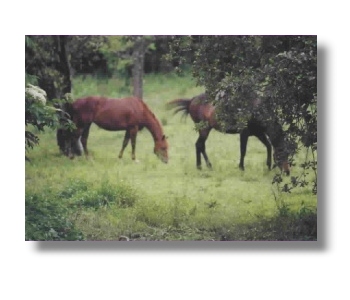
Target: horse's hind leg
133 134
263 138
73 143
125 143
83 139
200 149
61 139
243 143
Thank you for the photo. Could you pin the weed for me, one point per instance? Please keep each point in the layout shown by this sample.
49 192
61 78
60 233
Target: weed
105 195
74 186
46 219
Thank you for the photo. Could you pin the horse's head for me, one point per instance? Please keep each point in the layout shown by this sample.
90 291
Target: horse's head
280 146
161 149
69 144
280 157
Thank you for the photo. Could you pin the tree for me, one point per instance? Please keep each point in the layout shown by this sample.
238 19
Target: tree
47 65
47 58
125 55
138 56
138 46
37 114
280 71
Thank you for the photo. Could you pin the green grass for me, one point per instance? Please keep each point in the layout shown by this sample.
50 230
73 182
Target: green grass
107 197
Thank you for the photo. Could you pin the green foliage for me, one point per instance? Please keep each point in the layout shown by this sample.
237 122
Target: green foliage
52 216
109 55
279 71
79 194
115 51
48 67
200 125
47 219
45 66
72 188
38 114
41 114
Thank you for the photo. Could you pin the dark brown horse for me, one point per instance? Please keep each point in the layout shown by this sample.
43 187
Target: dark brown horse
201 111
129 114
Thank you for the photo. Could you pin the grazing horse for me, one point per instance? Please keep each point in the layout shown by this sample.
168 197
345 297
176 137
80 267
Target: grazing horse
129 114
201 111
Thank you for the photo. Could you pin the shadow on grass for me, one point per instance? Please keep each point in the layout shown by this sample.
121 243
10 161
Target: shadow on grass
299 226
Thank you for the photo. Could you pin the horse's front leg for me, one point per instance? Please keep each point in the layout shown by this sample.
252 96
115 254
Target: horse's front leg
264 139
125 143
133 134
243 143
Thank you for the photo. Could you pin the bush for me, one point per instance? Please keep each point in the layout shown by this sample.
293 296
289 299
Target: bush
79 195
73 187
48 220
50 216
286 225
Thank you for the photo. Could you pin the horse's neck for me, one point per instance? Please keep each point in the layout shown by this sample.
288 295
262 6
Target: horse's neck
153 125
275 133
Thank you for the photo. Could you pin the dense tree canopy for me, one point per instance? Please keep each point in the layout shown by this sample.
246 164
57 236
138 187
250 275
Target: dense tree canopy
280 72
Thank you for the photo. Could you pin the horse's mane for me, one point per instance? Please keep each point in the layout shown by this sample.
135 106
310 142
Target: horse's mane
146 107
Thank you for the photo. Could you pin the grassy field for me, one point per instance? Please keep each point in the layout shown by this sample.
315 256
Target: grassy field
103 197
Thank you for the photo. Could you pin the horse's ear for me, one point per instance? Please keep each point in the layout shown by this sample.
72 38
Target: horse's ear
164 137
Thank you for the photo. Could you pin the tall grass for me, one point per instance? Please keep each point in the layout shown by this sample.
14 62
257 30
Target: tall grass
104 197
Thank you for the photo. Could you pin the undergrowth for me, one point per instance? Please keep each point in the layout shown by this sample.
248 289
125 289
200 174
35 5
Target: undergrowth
109 211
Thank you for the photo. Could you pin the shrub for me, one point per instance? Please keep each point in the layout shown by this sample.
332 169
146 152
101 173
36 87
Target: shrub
48 220
79 194
72 188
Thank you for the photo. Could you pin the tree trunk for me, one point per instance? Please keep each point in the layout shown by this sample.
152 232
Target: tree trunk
64 67
138 66
64 64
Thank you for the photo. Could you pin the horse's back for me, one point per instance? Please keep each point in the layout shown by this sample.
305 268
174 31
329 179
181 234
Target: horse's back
83 109
201 110
110 114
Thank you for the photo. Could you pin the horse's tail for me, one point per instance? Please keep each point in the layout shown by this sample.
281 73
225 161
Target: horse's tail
67 108
180 105
64 135
64 114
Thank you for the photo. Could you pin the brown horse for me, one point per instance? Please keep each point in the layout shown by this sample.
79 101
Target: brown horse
129 114
202 111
